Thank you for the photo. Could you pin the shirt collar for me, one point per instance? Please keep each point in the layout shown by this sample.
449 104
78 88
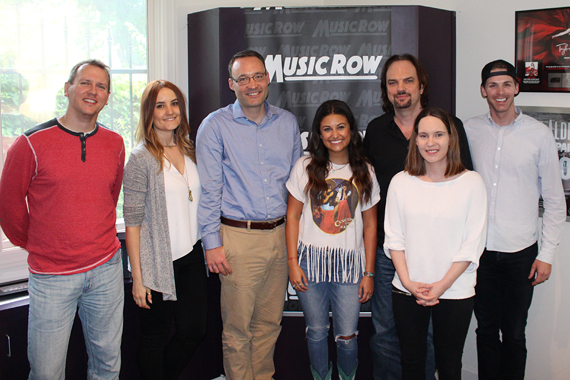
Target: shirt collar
237 112
75 133
517 119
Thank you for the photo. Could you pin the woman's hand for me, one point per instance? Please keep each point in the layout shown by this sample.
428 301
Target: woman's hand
366 289
419 290
432 295
141 294
429 296
298 278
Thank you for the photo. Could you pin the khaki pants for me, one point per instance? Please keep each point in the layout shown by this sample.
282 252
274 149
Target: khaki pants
252 300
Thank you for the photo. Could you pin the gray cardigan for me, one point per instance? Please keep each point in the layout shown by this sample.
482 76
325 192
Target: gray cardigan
145 206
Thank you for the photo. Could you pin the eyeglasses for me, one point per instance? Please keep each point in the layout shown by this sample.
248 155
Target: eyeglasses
242 81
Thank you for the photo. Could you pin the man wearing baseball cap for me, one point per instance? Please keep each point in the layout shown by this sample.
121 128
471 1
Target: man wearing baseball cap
517 157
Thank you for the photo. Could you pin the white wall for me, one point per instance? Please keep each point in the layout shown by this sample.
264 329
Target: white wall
485 32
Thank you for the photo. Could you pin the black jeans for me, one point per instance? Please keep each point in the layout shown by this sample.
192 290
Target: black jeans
503 297
159 357
450 319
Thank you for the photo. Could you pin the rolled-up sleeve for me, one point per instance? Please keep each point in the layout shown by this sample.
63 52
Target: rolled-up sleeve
395 238
475 232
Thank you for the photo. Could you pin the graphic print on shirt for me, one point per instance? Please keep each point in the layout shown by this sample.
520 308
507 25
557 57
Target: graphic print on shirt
334 210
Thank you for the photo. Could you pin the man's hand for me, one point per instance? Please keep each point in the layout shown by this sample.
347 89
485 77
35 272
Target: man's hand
217 262
540 271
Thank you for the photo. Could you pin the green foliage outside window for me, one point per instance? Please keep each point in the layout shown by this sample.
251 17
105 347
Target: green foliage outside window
40 40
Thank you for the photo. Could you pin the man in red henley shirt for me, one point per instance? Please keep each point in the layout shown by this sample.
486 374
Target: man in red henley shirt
58 192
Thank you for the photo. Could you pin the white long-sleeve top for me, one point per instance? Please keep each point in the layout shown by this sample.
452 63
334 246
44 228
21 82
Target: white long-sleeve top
437 224
519 163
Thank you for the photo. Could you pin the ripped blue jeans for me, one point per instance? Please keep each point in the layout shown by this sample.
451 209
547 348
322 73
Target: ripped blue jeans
342 298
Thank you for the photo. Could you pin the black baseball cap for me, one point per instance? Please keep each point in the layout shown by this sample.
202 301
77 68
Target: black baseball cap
503 67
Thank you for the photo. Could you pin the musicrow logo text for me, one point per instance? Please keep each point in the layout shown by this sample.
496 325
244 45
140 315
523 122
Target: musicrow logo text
324 68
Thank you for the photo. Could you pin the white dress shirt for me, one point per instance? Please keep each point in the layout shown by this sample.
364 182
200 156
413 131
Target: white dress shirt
519 163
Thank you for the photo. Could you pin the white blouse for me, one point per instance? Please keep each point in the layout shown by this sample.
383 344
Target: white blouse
182 212
437 224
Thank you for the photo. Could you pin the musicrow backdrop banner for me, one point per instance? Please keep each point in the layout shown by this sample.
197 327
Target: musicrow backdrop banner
316 54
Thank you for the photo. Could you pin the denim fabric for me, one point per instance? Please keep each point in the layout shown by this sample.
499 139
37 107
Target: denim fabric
503 297
54 300
316 303
384 343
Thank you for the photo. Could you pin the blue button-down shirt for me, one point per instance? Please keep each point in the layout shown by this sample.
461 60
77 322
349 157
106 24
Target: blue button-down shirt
243 167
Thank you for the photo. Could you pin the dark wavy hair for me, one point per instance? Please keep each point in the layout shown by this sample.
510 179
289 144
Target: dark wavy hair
318 168
146 133
423 78
415 163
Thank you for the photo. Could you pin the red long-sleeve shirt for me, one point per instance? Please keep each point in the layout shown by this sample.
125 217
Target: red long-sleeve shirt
58 194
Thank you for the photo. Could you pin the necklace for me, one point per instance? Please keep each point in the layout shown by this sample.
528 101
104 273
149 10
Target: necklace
342 167
184 175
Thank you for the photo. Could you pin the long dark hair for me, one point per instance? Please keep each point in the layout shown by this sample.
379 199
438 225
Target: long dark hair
145 130
415 163
318 168
423 78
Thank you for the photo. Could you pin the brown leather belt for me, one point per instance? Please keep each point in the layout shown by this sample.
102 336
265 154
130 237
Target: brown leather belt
253 225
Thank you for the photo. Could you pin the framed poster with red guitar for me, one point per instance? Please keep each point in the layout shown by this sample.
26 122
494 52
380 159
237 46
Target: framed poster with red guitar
543 50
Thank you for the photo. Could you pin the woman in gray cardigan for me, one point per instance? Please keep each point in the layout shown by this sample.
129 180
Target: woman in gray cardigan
162 191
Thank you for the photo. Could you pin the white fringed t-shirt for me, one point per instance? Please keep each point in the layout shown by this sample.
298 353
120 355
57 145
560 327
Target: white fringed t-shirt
331 228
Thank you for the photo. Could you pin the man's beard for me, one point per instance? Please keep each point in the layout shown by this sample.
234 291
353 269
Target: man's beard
405 104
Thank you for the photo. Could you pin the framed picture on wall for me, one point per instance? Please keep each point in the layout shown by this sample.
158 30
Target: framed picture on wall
543 50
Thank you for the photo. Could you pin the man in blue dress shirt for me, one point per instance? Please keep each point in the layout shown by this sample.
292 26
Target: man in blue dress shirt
245 152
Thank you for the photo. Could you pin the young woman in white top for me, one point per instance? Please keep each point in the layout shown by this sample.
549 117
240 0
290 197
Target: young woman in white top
331 236
162 191
435 226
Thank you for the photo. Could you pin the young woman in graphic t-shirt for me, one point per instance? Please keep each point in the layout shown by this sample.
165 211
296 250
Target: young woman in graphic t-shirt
331 236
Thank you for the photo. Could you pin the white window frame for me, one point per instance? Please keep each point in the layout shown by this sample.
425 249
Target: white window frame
161 31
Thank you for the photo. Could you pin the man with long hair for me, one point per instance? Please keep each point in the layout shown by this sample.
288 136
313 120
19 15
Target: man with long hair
405 92
245 152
